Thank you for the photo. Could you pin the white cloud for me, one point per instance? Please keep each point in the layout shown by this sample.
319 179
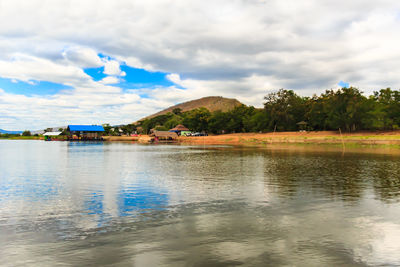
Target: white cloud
98 104
174 77
110 80
238 49
112 68
82 57
28 68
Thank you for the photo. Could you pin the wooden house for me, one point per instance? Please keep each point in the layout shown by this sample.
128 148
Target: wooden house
164 136
85 132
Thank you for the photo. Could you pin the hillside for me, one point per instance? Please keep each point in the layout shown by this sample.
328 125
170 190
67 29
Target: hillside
212 103
9 132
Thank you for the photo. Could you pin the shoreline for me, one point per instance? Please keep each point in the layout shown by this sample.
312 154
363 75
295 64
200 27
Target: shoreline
326 138
304 138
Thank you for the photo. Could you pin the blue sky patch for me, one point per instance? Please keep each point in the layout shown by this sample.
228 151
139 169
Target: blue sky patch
134 79
96 73
139 78
344 84
140 201
36 88
105 57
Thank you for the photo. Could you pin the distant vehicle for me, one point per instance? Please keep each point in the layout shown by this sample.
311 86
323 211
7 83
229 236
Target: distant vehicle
186 133
199 134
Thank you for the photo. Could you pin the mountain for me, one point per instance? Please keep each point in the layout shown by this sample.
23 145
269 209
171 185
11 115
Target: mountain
212 103
9 132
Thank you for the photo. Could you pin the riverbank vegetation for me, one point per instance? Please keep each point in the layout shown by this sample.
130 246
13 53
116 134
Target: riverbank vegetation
19 137
346 109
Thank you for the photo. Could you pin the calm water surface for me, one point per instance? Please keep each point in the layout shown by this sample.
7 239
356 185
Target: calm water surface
122 204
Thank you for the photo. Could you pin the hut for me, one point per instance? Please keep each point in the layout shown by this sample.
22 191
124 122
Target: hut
49 135
164 136
85 132
302 126
52 133
179 129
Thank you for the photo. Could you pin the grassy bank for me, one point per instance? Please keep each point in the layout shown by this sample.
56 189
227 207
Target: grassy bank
3 137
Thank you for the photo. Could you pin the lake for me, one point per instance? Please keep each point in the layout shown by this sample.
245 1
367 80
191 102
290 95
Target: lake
80 204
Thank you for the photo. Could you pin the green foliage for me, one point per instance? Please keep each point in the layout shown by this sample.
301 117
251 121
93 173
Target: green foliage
344 108
128 129
259 121
161 128
285 109
6 135
197 119
177 111
26 133
107 129
173 121
217 124
149 124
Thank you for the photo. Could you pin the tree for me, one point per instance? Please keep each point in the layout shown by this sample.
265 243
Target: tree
173 121
26 133
389 102
107 129
239 119
148 124
197 119
177 111
160 128
375 117
128 129
258 122
344 108
285 109
218 122
315 113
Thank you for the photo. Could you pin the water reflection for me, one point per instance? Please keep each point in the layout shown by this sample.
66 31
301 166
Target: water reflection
140 201
89 204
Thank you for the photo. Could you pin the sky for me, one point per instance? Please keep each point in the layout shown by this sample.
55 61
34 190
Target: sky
92 62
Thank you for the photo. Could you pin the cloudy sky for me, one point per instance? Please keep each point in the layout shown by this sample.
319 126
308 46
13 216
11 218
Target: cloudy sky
85 62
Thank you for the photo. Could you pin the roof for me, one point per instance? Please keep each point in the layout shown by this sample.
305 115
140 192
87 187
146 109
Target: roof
85 128
52 133
164 134
180 127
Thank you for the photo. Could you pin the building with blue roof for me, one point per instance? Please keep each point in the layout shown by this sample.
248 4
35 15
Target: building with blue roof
85 132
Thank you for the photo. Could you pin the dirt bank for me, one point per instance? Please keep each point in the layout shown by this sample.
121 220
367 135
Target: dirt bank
139 138
256 139
120 138
323 137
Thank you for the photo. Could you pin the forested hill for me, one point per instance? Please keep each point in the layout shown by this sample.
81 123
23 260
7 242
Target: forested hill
212 103
346 109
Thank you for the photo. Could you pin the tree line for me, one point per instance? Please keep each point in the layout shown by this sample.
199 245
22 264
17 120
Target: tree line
346 109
